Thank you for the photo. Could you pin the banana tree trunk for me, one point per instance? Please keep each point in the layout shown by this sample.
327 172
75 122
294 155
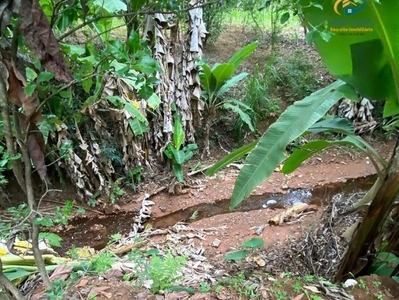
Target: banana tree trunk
374 219
211 116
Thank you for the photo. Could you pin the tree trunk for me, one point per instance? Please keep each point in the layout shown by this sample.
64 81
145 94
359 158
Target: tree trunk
208 125
371 225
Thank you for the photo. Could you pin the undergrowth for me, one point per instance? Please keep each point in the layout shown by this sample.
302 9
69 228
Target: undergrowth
292 77
280 82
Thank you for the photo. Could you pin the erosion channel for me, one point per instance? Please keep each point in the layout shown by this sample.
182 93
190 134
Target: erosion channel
95 230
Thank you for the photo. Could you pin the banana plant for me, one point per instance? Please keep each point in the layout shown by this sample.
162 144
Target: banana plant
177 154
216 81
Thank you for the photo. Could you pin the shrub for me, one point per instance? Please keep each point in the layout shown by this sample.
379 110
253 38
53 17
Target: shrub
291 78
282 81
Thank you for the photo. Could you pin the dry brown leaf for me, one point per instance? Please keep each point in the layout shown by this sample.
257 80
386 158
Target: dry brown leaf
259 261
113 275
201 297
82 283
312 288
291 213
143 295
61 272
15 91
41 39
177 296
100 291
300 297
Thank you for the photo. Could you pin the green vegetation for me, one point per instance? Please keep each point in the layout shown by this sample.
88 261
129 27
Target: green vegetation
240 284
290 77
248 247
178 154
80 103
219 80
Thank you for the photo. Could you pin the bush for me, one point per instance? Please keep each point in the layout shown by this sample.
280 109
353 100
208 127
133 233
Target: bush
291 78
258 97
282 81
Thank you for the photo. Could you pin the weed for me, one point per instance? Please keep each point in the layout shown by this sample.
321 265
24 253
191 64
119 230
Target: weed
115 237
297 287
277 284
102 262
116 191
242 286
377 283
156 272
286 275
164 271
280 295
309 278
194 215
92 202
363 284
133 177
379 296
259 99
247 247
204 287
315 297
58 290
6 163
291 78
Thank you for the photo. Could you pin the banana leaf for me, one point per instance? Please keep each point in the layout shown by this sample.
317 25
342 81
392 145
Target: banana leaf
363 45
270 150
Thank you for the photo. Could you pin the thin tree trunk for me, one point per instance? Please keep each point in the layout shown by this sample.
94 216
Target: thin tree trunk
208 125
374 219
32 204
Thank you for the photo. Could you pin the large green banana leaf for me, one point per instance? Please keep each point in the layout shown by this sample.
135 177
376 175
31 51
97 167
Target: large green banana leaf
218 79
363 48
270 150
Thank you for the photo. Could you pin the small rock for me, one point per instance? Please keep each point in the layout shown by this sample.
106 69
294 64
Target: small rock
271 202
284 187
349 283
216 243
219 273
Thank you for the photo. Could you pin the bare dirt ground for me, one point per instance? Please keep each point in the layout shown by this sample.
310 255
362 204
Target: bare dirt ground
204 206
